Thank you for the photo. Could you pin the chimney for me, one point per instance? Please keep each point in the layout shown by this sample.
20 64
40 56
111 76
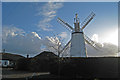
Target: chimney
27 56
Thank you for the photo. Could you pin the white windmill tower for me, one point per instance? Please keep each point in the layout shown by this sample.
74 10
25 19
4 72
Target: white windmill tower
78 38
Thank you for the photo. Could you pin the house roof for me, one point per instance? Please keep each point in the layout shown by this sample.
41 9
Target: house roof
9 56
46 54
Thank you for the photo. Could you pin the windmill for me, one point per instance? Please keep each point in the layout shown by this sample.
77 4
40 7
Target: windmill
78 38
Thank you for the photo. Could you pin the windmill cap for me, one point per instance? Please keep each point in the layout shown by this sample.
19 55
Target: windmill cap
76 15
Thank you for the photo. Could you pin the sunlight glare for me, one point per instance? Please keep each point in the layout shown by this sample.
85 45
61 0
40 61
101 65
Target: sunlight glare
112 37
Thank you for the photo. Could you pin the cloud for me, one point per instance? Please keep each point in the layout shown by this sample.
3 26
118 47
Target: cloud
63 35
16 42
48 13
11 31
107 50
95 38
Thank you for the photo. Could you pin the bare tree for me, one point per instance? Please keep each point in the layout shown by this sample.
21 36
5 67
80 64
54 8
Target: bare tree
55 44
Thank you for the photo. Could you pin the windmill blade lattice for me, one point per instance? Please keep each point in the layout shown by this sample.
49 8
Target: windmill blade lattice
66 46
70 28
77 36
90 42
87 20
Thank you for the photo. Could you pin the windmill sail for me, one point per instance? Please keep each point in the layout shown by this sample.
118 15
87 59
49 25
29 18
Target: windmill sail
65 24
87 20
77 42
66 46
91 42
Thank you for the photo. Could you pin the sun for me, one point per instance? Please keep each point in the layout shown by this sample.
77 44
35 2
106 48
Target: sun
112 37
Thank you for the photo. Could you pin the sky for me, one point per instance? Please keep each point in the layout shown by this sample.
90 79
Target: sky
29 24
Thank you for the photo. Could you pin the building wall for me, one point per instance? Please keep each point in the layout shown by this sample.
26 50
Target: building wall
4 63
